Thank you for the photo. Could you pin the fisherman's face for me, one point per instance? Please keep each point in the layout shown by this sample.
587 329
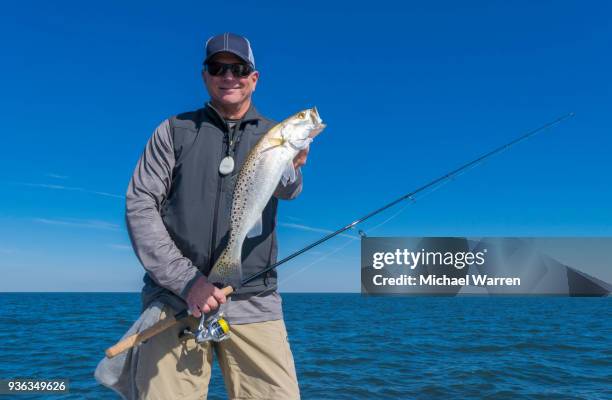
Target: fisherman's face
227 89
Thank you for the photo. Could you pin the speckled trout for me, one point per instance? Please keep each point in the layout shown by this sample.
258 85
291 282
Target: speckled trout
269 163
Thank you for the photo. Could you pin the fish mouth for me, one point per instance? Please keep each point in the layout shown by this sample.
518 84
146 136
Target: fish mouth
317 122
314 116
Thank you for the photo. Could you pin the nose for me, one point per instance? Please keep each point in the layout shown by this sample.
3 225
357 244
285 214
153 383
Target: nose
227 74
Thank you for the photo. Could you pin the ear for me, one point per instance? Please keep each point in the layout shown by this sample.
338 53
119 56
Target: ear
254 77
204 76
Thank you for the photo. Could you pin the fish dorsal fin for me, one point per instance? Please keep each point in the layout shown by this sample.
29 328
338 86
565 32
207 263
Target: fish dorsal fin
288 174
256 229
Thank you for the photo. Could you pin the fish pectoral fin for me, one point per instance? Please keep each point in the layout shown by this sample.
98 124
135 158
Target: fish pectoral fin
274 143
288 174
256 229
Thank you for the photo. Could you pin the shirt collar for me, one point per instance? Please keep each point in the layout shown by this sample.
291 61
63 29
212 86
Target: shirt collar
251 115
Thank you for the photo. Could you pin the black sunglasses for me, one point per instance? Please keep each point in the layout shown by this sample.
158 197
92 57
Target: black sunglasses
239 70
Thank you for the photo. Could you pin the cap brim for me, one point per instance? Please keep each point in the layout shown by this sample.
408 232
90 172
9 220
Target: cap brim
246 60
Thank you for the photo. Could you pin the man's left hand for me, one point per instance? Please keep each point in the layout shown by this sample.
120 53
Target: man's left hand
300 158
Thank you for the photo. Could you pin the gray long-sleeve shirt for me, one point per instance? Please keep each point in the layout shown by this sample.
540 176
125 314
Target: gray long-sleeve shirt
159 255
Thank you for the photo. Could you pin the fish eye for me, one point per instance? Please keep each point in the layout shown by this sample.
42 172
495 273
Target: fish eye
302 115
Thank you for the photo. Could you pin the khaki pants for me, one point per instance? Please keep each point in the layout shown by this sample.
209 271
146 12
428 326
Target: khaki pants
256 363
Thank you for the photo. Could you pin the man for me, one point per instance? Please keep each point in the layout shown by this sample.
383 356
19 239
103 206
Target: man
178 212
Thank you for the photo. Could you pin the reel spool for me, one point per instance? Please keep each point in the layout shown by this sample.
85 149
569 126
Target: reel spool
216 329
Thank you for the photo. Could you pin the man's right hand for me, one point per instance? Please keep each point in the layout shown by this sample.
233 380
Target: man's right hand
203 297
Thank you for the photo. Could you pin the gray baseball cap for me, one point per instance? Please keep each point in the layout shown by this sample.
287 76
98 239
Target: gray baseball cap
231 43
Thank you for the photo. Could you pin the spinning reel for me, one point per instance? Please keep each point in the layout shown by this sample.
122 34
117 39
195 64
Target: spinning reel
213 329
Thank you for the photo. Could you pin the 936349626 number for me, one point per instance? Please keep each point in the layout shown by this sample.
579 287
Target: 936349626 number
14 386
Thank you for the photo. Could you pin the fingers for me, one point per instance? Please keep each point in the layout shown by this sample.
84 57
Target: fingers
198 310
195 311
219 296
300 158
204 298
211 303
303 156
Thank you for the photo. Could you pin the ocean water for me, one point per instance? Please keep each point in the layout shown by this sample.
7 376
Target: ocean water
351 347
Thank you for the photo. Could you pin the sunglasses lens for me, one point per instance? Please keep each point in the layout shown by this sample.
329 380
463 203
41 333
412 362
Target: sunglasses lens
246 70
237 69
240 70
215 68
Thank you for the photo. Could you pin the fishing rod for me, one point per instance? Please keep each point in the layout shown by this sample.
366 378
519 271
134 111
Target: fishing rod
217 329
409 196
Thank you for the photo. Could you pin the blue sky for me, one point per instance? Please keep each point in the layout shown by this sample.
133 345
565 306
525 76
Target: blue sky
408 90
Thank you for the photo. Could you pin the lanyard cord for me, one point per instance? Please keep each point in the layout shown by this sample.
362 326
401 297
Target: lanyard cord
234 135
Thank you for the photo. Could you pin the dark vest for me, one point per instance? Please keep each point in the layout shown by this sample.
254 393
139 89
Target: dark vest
197 209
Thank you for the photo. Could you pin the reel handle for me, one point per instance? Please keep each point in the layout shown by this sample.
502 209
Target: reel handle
153 330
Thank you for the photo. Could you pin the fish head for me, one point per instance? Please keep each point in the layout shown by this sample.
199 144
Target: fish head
299 129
